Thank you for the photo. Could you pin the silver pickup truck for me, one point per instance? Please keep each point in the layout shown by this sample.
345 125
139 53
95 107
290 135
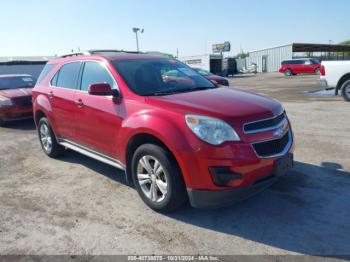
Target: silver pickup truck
336 74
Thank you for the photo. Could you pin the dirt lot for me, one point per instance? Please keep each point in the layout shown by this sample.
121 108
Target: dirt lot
75 205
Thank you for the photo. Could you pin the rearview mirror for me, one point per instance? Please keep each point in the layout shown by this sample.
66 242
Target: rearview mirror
102 89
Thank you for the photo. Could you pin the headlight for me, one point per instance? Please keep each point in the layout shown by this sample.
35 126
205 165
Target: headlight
5 101
211 130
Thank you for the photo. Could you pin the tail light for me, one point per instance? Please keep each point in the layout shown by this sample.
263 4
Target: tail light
322 70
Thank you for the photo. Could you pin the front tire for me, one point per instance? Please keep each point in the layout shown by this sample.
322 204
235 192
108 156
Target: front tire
158 178
345 90
48 139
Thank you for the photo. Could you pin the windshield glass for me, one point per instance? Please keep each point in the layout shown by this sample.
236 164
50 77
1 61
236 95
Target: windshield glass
148 77
204 72
16 82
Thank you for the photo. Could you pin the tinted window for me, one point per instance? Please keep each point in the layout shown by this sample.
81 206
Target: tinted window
68 75
95 73
12 82
150 77
46 70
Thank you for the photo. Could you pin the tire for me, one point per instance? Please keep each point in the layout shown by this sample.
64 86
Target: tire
288 72
345 90
169 188
317 71
48 140
2 123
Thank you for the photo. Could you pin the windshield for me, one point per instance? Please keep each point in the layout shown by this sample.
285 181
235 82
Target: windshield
204 72
149 77
13 82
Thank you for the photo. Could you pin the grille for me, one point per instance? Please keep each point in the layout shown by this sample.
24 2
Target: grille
263 124
273 147
22 101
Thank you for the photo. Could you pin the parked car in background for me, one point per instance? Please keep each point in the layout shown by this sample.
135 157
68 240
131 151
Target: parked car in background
175 141
300 66
16 97
210 76
336 74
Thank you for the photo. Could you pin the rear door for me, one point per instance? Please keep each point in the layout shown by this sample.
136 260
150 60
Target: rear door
99 117
62 95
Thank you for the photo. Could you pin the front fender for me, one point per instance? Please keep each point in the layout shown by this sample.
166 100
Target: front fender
170 129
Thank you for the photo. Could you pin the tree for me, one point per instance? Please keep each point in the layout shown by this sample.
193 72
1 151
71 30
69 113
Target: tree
242 55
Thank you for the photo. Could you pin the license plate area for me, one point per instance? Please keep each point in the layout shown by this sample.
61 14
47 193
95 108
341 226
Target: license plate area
283 165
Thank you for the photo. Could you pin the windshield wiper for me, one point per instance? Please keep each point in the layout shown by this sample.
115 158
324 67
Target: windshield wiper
176 91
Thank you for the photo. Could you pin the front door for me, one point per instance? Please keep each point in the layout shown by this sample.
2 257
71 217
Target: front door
99 117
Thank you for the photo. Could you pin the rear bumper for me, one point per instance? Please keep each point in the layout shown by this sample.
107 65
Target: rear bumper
324 83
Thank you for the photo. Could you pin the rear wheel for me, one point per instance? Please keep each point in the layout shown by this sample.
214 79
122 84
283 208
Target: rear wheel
158 178
48 139
345 90
288 72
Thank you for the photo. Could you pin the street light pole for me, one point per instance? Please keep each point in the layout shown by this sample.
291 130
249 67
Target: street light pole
136 30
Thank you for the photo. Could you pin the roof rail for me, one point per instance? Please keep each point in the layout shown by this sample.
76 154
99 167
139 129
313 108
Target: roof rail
96 51
75 54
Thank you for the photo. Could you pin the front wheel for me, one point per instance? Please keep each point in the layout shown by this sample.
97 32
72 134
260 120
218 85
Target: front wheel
48 139
345 90
288 72
158 178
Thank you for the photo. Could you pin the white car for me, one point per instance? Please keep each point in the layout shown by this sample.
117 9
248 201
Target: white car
336 74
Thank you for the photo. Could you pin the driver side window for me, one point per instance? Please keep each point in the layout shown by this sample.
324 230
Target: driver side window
94 73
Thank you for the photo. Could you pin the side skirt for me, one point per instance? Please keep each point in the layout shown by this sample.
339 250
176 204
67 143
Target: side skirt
90 153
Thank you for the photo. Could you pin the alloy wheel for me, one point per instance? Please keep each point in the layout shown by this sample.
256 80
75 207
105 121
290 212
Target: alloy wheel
152 178
45 137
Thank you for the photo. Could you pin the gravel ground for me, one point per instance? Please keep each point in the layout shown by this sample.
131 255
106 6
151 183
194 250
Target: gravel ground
76 205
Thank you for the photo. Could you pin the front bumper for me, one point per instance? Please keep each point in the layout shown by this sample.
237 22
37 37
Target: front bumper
220 198
14 113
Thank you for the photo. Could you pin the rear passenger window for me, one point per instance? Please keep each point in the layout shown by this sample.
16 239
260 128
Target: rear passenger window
95 73
67 77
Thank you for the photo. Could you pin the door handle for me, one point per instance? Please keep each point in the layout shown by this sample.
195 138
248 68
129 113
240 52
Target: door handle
50 94
79 103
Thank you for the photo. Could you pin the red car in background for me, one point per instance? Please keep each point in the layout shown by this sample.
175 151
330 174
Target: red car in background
210 76
300 66
16 97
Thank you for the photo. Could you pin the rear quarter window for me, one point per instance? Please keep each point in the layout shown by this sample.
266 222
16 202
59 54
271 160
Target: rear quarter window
46 70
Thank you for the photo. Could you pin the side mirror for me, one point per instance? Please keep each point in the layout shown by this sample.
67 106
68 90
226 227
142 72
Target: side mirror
103 89
214 83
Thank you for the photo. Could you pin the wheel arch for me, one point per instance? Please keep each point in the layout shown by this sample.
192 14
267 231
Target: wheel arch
342 80
136 141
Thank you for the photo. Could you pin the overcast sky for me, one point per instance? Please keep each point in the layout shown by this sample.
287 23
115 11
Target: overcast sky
36 27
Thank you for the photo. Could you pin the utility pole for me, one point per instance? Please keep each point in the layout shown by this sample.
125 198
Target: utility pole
136 30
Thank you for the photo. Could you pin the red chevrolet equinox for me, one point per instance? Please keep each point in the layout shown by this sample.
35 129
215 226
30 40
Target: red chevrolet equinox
175 140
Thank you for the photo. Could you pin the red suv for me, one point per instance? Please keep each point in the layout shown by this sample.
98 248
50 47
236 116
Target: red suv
300 66
15 97
174 140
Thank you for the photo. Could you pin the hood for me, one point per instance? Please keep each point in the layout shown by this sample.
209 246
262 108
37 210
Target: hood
216 78
18 92
235 106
